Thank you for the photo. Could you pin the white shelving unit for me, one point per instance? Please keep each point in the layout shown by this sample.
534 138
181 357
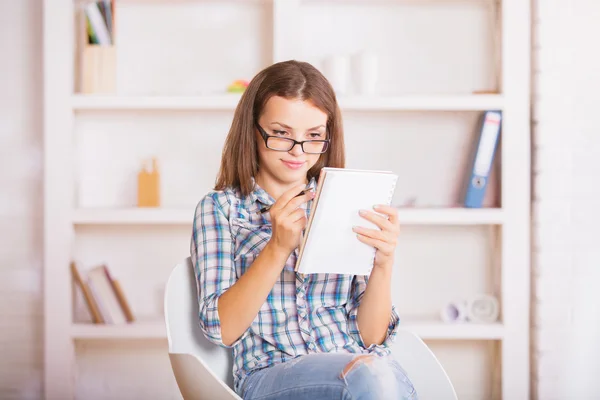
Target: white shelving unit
66 112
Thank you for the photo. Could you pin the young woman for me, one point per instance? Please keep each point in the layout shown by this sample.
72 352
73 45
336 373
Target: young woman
293 336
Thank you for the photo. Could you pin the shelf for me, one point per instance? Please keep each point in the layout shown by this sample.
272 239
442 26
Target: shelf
459 331
407 216
156 330
108 102
423 103
136 330
451 216
133 216
230 101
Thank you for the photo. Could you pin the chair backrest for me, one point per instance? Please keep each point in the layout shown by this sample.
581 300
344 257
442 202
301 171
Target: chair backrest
183 330
423 368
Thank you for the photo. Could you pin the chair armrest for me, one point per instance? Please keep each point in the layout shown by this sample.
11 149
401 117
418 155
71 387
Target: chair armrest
196 381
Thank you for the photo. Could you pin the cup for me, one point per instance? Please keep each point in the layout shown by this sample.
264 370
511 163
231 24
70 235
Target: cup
336 69
366 72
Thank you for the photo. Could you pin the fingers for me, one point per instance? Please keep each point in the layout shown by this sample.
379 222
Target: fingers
372 233
385 248
297 215
296 202
284 199
391 212
382 222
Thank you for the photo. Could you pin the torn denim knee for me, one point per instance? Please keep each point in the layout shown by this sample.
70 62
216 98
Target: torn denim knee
370 376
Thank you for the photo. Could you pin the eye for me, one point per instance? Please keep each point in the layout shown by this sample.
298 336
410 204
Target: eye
316 135
281 133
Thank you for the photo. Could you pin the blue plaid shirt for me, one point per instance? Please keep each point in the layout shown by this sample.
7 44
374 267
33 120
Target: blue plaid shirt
302 314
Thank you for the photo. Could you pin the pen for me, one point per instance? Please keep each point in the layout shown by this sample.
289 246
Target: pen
267 208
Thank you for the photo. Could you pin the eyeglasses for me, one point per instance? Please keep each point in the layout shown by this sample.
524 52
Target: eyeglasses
286 144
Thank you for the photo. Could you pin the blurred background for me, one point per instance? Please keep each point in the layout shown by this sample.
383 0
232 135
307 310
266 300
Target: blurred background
112 120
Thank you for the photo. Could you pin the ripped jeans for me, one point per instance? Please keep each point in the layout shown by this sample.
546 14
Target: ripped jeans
319 376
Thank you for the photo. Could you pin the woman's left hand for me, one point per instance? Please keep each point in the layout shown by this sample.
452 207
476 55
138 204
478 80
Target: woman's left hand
385 239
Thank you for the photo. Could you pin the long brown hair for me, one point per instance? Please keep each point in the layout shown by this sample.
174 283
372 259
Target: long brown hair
292 80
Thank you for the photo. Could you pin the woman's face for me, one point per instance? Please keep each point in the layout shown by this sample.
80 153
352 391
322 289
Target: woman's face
289 118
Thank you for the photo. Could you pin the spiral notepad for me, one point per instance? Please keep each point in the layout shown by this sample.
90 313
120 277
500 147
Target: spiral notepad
329 244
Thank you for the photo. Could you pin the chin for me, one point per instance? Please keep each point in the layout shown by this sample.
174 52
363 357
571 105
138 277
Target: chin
293 176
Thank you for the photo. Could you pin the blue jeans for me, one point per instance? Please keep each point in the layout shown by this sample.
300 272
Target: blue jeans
319 376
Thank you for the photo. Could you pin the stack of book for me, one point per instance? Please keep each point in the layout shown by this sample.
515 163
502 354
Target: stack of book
103 295
100 22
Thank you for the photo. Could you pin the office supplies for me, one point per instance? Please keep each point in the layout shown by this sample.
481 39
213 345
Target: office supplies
329 244
267 208
483 158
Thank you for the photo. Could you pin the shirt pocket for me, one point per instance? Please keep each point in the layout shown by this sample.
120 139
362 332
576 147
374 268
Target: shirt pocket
331 290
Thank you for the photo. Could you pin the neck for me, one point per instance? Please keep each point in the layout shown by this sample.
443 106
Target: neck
275 187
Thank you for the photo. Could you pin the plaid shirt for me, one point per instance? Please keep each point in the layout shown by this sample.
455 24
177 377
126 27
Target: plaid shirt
302 314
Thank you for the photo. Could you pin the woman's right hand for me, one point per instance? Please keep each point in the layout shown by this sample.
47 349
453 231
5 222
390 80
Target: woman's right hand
288 219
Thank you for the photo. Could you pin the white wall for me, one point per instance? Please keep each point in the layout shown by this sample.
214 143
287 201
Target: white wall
566 253
20 199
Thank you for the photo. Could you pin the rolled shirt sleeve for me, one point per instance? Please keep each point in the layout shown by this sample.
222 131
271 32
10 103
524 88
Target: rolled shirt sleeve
359 285
212 255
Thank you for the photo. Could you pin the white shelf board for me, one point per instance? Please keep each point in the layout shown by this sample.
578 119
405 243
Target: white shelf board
137 216
451 216
433 330
349 103
134 330
423 103
459 331
158 216
109 102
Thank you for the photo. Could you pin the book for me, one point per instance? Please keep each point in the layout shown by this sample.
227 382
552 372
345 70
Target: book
482 159
106 297
87 294
329 245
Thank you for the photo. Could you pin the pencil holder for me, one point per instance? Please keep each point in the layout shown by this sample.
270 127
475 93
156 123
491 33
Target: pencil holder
149 184
98 69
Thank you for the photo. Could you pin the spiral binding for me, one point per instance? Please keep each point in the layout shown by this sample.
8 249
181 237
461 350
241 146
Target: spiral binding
389 201
392 190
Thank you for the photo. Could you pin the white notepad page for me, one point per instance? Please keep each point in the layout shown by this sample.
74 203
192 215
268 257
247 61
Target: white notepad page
331 245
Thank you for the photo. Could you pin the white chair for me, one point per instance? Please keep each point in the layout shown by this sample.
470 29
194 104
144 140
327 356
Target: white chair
203 370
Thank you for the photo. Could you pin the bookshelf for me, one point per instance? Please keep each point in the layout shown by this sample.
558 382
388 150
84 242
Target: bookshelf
422 116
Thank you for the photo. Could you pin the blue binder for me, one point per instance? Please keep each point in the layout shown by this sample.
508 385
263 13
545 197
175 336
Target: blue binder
484 157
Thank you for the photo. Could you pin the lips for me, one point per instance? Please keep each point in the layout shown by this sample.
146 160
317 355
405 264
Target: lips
294 164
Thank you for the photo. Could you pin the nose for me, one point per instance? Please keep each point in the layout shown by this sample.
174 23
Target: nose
296 150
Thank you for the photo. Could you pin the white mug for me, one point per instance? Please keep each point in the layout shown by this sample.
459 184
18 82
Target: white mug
365 71
336 69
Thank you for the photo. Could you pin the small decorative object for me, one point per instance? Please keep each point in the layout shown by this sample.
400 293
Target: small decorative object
337 71
454 312
149 185
365 70
483 309
477 309
237 86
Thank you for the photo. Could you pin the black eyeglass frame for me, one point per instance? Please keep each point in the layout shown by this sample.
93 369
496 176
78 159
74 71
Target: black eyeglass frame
293 142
